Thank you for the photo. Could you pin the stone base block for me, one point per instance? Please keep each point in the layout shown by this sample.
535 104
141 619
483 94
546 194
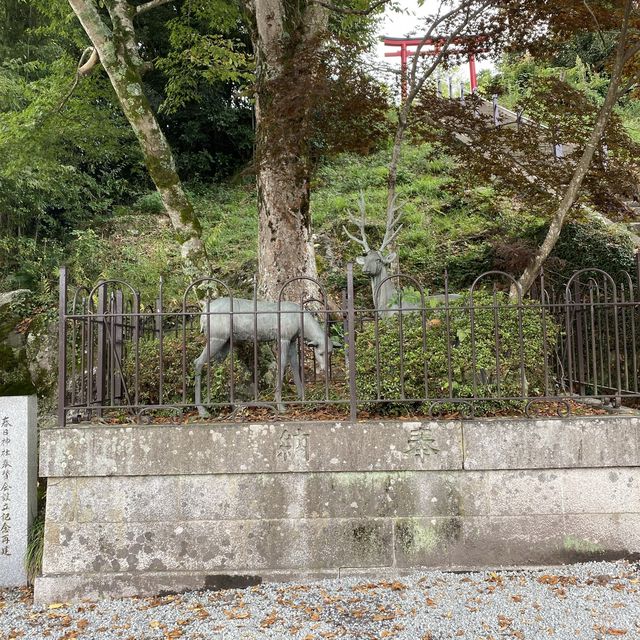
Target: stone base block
319 501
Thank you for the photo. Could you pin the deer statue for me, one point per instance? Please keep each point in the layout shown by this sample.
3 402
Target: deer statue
259 323
375 263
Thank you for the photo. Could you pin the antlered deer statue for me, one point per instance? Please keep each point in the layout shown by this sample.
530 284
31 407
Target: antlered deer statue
375 262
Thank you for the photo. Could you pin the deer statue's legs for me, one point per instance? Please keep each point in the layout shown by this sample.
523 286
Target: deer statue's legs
288 355
294 360
217 351
284 359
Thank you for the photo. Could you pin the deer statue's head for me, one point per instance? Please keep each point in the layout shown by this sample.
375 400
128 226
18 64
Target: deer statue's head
322 353
374 262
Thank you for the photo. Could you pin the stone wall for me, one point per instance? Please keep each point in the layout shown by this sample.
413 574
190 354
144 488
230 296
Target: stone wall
141 510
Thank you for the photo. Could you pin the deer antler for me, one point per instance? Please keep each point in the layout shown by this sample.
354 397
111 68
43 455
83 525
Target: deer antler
391 232
362 240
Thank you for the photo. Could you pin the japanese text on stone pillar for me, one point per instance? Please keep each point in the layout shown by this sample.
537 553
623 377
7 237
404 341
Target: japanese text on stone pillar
5 487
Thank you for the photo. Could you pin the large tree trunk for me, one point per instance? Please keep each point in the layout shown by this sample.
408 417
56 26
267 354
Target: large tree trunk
532 270
285 248
118 52
287 38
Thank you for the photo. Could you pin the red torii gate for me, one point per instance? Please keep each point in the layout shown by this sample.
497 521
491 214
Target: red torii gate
404 52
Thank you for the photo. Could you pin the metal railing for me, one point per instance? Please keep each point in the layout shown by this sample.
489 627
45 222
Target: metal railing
470 353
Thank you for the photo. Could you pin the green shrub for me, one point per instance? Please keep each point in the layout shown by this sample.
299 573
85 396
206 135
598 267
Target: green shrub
582 246
150 203
149 368
149 371
495 376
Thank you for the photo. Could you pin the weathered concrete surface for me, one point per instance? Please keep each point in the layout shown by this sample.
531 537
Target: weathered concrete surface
143 499
252 448
18 480
294 501
551 444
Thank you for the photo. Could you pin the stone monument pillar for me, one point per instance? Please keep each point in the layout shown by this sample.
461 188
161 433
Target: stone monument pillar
18 479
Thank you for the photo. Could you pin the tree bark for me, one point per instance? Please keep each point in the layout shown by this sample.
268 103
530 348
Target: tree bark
532 270
117 49
287 38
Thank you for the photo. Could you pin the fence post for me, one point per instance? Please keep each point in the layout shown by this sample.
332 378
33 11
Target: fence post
579 340
100 369
494 102
462 91
351 320
439 87
118 347
62 346
450 80
159 330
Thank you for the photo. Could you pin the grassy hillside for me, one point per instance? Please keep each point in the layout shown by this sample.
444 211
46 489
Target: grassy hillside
449 224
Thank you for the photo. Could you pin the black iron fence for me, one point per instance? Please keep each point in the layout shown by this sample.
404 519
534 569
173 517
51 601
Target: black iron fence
470 353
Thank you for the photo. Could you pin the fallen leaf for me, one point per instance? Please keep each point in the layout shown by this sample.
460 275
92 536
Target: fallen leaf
270 619
384 616
56 605
494 577
236 613
202 613
503 621
365 586
553 580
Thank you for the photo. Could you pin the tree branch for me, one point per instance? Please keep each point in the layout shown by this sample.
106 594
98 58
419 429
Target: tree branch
152 4
571 193
595 20
88 61
351 12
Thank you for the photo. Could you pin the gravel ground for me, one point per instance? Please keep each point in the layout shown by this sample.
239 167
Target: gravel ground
595 600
